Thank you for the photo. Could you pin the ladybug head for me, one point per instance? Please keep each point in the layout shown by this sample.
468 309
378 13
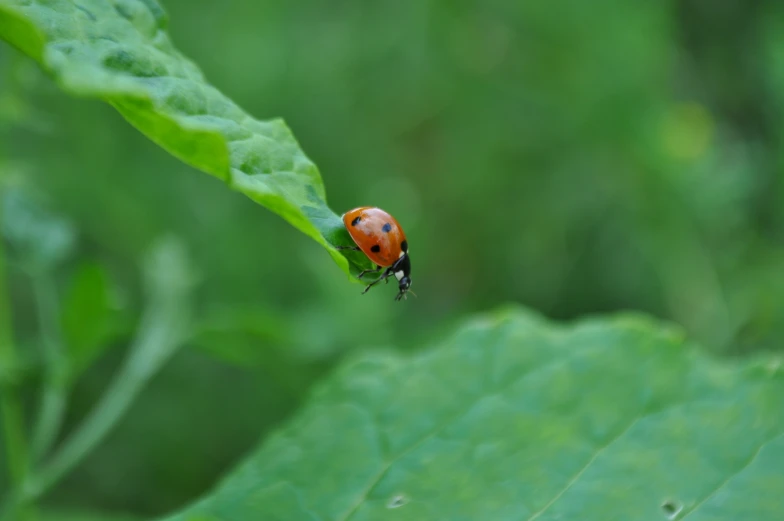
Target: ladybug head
402 269
404 284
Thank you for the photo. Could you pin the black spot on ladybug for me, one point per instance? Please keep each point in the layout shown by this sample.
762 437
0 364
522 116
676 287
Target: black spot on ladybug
386 228
404 245
356 220
375 248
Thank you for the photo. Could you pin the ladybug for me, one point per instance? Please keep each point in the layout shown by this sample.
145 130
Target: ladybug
379 236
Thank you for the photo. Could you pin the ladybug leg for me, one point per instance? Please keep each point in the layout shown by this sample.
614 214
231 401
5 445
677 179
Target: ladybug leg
369 270
352 248
382 277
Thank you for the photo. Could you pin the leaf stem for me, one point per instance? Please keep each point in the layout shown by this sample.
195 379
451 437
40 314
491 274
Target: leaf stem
163 329
53 400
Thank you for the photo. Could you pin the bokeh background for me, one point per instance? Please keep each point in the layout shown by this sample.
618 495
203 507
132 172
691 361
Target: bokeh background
575 157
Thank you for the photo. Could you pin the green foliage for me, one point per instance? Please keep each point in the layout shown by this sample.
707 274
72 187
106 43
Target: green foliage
119 52
577 157
514 417
162 330
90 319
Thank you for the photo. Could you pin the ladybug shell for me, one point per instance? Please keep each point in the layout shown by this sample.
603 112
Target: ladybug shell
377 234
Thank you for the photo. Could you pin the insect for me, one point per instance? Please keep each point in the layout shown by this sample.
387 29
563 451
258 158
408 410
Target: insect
379 236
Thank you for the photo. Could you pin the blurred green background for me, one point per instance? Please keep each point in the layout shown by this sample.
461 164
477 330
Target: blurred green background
576 157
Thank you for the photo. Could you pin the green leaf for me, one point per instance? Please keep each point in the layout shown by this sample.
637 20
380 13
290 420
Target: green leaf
119 51
515 418
90 319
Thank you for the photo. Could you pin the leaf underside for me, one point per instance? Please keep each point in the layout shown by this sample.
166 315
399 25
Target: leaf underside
517 419
119 51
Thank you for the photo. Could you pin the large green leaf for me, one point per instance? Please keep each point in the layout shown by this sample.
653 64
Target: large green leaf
514 418
119 51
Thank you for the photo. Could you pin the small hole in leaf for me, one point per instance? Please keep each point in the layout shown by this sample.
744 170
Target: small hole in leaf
397 501
671 509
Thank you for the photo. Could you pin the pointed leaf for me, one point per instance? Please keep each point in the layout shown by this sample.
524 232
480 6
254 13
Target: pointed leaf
119 51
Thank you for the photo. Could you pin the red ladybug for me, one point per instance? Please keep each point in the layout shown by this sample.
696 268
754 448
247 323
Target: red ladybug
379 236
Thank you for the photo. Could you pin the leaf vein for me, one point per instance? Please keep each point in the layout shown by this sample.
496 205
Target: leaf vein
587 465
439 428
733 475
